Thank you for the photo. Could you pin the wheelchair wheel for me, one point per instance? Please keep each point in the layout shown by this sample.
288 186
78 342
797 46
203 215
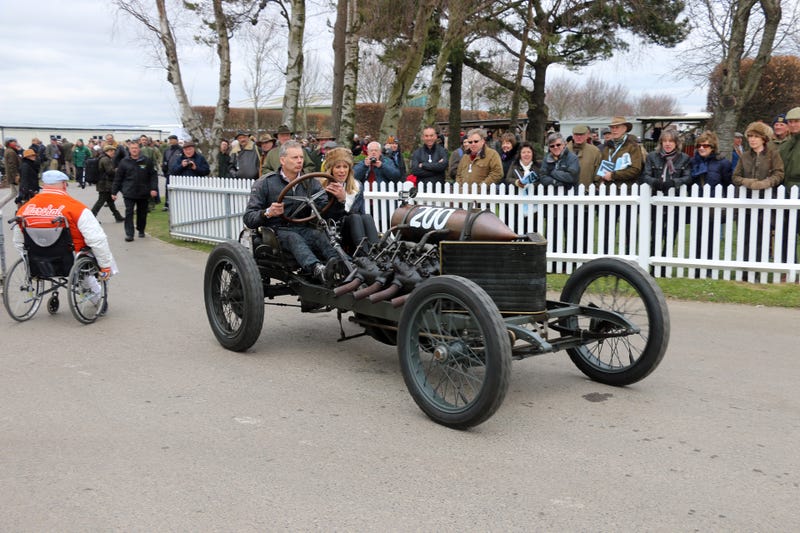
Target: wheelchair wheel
53 304
87 294
22 295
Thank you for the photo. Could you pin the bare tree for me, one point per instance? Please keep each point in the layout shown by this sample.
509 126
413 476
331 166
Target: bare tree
408 65
339 52
600 98
351 72
262 65
296 20
375 77
567 98
731 30
217 26
656 105
474 88
562 98
460 23
313 89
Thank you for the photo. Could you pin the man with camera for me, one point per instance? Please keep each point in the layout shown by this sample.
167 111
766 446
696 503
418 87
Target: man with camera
376 168
190 162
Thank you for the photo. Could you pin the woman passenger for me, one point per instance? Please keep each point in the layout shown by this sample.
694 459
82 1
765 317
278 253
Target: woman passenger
358 228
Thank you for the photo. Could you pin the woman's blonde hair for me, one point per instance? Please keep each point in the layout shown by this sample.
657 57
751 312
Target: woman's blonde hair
342 155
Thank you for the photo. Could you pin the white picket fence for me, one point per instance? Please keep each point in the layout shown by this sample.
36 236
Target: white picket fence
703 235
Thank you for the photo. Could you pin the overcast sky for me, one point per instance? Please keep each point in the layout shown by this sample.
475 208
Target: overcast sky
78 62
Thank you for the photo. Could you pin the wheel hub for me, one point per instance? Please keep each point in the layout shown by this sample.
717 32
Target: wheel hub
441 353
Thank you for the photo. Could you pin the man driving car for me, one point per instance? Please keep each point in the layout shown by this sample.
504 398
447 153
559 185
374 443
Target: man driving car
309 246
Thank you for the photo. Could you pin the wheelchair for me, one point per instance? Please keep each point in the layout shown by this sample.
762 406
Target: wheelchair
49 264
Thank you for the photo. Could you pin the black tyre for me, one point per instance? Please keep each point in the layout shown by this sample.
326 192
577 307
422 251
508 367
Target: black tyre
22 295
87 293
53 304
455 353
623 287
234 296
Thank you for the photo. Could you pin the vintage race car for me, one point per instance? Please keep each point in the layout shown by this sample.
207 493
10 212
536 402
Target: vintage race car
459 294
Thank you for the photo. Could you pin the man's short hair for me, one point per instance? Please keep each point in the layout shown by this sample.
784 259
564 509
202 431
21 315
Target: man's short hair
289 144
477 131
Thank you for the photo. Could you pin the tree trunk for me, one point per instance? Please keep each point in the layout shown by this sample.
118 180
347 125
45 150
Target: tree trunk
189 118
350 86
208 143
339 52
294 63
407 71
515 95
453 37
537 109
454 119
734 96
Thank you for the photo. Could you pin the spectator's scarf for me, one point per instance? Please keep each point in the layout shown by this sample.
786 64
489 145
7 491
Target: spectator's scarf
700 165
669 167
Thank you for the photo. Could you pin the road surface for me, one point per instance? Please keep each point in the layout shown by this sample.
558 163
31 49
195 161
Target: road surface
143 422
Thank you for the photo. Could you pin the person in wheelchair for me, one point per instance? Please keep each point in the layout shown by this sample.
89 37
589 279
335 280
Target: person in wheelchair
309 245
53 203
357 228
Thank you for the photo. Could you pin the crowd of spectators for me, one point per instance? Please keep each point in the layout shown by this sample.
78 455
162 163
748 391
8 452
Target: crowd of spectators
613 155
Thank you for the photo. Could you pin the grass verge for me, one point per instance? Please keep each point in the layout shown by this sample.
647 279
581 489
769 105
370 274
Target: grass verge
158 226
716 291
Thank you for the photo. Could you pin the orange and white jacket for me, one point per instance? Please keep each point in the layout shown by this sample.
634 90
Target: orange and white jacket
40 210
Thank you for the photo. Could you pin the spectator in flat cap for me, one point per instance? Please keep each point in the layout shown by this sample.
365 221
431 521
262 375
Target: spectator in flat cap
245 158
273 160
780 129
171 152
190 162
736 153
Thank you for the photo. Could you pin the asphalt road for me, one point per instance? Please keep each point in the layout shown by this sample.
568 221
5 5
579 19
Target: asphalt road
142 422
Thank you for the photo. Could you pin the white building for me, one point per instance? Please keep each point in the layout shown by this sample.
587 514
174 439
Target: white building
24 133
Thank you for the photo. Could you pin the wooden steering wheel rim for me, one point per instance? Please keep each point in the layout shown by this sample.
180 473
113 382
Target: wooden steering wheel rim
292 184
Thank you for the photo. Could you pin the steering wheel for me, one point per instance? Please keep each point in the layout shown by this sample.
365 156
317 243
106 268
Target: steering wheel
308 200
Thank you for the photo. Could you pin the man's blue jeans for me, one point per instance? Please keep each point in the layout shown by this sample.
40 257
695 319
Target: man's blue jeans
308 245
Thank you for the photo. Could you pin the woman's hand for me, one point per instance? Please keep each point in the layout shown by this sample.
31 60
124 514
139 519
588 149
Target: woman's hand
337 190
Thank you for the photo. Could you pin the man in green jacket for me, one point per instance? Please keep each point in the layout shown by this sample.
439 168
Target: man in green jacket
790 154
273 161
790 149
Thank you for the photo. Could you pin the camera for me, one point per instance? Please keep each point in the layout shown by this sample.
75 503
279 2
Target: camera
372 159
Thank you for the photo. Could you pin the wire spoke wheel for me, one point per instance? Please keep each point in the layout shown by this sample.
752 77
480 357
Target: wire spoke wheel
87 293
22 295
234 296
454 351
615 355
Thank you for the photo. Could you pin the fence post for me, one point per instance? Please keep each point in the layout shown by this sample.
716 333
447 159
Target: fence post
645 223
